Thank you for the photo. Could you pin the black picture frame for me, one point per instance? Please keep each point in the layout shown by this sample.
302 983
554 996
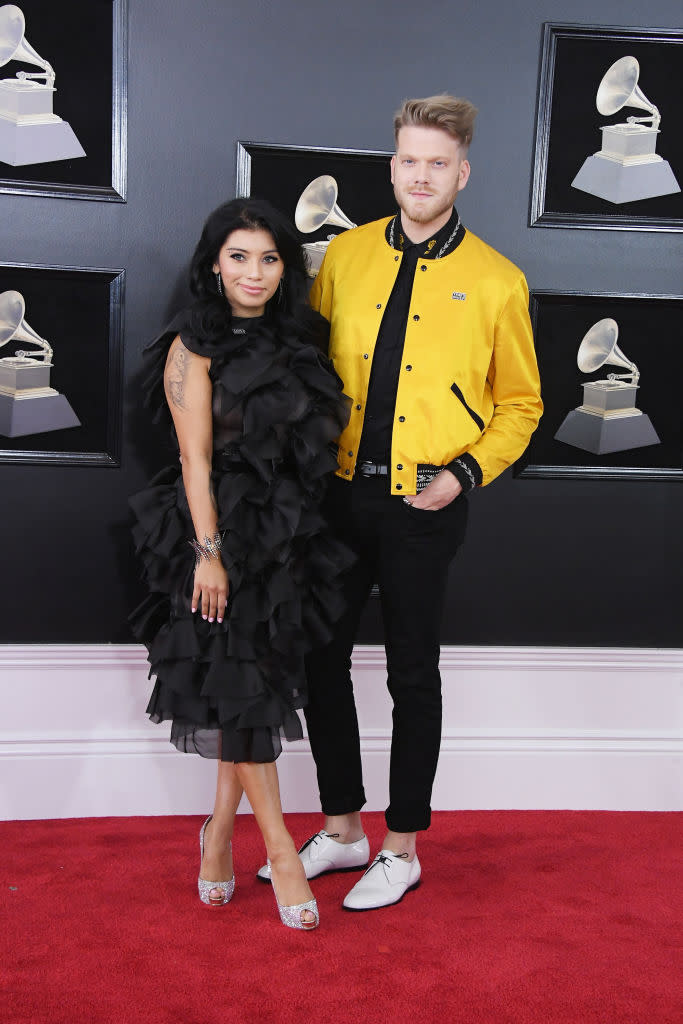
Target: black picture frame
281 173
79 311
574 59
651 335
86 43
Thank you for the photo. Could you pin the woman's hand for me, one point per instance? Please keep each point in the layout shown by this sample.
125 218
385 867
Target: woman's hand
211 588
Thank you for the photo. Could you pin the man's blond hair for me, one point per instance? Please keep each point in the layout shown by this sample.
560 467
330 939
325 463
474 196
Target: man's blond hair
451 114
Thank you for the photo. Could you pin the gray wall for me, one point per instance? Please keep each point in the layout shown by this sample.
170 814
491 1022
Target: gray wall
204 73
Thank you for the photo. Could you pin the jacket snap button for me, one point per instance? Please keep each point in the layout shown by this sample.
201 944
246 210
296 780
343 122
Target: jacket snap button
401 419
350 454
365 355
400 466
408 367
358 407
423 267
379 305
395 259
399 487
348 472
416 317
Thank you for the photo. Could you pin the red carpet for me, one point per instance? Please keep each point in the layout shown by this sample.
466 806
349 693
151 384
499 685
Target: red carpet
522 918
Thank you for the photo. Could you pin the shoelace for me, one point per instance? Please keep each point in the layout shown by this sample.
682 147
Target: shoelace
316 837
381 858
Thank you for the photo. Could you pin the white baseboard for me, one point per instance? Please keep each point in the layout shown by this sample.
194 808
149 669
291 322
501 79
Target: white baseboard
523 728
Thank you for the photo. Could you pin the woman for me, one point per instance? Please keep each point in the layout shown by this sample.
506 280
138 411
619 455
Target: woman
241 571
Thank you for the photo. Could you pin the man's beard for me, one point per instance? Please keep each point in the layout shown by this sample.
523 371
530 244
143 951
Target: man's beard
427 214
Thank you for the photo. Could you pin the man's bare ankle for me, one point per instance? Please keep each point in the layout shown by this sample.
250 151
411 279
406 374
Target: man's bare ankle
401 844
344 831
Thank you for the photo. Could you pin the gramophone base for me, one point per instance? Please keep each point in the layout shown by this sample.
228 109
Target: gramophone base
22 416
27 143
315 252
625 183
603 436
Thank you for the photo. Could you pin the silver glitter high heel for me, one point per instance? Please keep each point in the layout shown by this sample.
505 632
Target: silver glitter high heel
291 916
205 888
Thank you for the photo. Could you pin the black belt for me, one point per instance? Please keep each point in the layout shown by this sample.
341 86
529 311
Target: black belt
425 471
368 468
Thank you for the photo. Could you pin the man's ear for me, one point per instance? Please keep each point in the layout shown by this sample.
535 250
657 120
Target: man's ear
464 175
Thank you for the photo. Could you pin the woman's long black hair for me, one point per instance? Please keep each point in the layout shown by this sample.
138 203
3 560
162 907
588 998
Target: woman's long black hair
288 309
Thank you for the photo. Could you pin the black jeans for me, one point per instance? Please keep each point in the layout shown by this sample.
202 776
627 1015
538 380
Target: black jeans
407 552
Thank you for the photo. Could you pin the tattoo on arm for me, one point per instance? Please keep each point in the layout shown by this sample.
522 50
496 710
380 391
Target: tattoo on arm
176 372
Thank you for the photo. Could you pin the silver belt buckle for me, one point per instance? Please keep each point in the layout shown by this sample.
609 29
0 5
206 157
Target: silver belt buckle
369 468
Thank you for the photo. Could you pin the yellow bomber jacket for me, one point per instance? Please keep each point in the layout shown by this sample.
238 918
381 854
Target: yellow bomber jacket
469 380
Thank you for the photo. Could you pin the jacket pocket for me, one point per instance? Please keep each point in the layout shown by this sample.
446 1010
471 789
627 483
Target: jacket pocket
475 416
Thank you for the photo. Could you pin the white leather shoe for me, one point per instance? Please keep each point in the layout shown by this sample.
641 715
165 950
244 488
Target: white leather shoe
321 854
386 881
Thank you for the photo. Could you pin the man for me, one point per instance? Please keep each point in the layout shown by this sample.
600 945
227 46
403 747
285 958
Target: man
430 333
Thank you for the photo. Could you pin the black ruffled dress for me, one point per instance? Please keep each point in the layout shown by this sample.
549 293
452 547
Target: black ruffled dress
232 688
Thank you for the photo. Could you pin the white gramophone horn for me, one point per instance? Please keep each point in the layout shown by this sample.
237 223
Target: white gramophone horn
13 327
599 347
619 88
318 205
14 46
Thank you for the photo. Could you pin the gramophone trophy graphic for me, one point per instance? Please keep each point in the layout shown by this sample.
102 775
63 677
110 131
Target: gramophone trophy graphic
28 405
30 133
626 168
608 420
317 206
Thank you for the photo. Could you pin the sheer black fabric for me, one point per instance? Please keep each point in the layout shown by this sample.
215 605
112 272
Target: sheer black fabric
233 688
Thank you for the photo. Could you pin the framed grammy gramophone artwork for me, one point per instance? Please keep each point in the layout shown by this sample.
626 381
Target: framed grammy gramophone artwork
324 191
63 74
611 370
609 144
60 364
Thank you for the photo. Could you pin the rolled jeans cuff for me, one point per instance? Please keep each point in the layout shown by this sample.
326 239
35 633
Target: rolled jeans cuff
343 805
406 819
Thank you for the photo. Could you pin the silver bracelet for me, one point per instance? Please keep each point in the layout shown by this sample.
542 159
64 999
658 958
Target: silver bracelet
208 550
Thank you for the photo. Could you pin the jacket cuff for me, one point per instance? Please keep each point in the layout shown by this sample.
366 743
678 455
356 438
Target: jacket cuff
467 471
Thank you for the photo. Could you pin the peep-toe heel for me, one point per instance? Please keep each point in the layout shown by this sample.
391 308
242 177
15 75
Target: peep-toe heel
291 916
205 888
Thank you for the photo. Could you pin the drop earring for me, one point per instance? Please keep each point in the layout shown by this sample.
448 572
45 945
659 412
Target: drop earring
280 293
219 283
